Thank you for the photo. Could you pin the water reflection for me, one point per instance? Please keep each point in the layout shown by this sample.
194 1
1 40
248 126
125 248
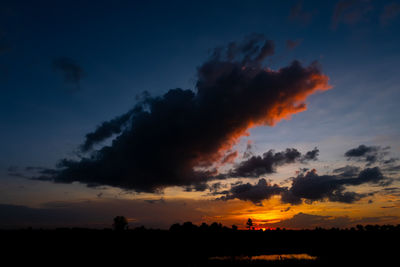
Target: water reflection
271 257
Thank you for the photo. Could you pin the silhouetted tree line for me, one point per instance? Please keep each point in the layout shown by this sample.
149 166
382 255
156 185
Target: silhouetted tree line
190 227
190 243
120 223
217 227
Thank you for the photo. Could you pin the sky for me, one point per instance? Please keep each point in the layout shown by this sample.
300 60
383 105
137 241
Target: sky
285 112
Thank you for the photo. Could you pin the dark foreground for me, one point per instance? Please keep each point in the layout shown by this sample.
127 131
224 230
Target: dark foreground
197 247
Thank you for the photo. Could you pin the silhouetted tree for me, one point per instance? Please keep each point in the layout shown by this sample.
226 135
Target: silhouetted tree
215 227
360 227
372 228
203 227
234 227
175 227
249 223
188 227
120 223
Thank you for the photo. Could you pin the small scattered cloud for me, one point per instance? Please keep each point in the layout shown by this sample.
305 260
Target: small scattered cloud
292 44
347 171
392 169
230 157
299 14
154 201
286 210
254 193
390 12
370 155
71 71
311 155
350 12
248 152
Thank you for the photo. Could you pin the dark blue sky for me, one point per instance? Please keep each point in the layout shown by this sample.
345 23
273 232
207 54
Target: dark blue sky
123 48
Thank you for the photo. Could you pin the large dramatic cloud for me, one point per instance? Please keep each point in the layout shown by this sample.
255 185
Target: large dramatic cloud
309 187
181 137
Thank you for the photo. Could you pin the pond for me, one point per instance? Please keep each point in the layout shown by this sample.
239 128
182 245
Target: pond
269 257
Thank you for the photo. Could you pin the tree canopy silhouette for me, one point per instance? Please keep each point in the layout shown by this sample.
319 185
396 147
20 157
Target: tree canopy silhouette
120 223
249 223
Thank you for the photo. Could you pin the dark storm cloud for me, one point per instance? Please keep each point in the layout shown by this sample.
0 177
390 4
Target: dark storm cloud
370 154
256 166
309 187
182 137
350 12
313 187
254 193
71 71
106 130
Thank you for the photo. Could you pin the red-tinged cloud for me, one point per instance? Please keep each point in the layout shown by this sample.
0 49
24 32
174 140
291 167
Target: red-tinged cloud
181 137
229 158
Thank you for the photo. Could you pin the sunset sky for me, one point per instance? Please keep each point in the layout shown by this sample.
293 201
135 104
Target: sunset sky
286 112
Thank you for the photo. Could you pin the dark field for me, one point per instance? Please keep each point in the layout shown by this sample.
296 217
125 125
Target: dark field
194 246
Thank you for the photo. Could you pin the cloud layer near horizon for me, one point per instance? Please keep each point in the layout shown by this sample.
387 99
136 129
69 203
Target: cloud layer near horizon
309 187
182 137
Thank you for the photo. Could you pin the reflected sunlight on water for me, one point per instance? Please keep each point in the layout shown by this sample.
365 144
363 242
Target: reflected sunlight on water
272 257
